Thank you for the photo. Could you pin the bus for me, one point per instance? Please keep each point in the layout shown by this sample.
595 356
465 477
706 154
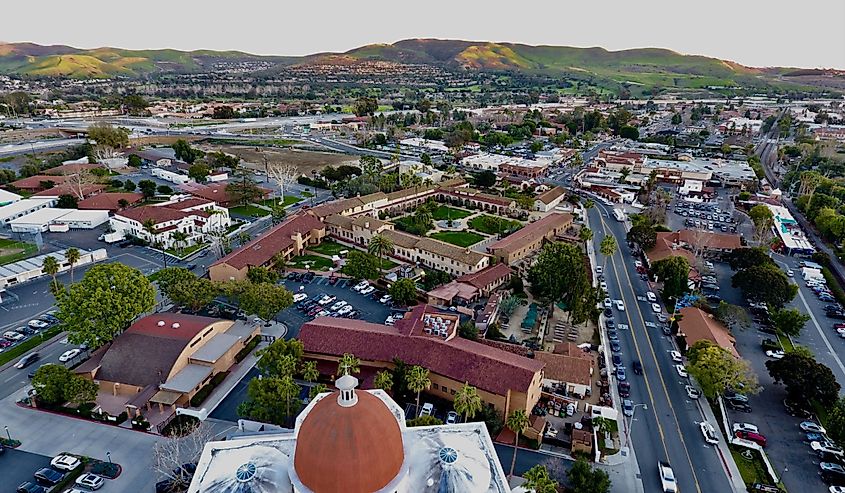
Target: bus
619 215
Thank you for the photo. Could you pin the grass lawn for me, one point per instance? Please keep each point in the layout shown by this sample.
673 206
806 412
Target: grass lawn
443 213
185 251
289 200
306 195
328 247
752 471
249 211
12 251
388 264
314 262
460 238
493 225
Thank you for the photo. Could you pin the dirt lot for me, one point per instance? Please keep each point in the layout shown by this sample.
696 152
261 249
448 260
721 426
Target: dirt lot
15 136
305 161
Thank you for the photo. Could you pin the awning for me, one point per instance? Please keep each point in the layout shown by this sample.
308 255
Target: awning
166 397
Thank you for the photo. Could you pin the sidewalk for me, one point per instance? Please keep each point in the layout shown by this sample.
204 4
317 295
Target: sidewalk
236 374
734 476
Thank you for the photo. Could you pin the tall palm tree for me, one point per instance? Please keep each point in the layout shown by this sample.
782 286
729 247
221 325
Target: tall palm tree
467 401
50 266
517 422
72 255
379 246
384 380
348 363
309 371
243 238
586 234
608 247
179 238
417 381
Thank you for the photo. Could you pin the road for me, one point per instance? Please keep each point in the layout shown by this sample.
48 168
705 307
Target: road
37 146
668 428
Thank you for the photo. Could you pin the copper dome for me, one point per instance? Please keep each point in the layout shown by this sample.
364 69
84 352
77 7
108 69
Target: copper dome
354 449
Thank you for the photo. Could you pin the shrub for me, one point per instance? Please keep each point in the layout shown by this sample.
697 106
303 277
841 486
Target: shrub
204 392
247 349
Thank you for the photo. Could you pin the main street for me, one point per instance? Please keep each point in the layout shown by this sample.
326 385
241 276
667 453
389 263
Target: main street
668 429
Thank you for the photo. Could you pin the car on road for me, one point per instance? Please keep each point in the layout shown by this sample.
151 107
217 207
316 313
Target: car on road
738 406
451 417
65 462
656 308
650 325
612 335
692 392
624 389
752 437
623 327
620 374
628 407
599 269
812 427
828 450
676 356
603 286
667 478
637 367
90 481
708 432
48 476
30 487
69 355
682 371
27 360
745 427
735 396
608 303
836 489
775 353
620 305
651 296
608 312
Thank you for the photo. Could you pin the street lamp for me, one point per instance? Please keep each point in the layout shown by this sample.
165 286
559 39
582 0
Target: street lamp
631 421
108 455
7 433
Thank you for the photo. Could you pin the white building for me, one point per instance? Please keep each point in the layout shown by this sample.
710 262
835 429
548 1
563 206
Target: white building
59 220
170 176
197 218
31 268
23 207
7 197
424 145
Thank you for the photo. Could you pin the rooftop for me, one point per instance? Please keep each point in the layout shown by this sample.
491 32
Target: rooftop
698 325
260 250
532 232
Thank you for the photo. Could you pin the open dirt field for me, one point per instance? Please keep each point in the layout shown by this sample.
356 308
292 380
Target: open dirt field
23 135
305 161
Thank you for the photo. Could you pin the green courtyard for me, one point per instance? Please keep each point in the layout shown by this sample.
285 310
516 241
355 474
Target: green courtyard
314 262
249 210
328 247
493 224
12 250
443 213
459 238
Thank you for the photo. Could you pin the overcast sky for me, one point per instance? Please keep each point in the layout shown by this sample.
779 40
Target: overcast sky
808 33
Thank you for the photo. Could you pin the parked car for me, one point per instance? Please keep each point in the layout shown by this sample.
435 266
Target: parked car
325 300
738 406
628 407
812 427
385 299
30 487
745 427
615 347
13 336
38 324
775 353
624 389
676 356
692 392
345 309
828 450
751 436
299 297
337 306
655 308
27 360
367 290
48 476
427 409
682 371
69 355
65 462
451 417
90 481
607 303
26 331
832 473
651 296
616 360
709 433
620 374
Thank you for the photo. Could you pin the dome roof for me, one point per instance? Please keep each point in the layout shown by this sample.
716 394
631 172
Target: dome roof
353 448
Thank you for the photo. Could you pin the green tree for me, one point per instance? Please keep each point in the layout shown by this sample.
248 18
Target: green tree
585 234
643 234
365 106
361 265
468 330
560 274
108 136
836 421
743 258
199 172
485 179
104 303
67 201
423 421
608 246
135 161
348 363
261 274
50 381
281 358
517 422
72 256
715 369
185 152
50 266
179 239
79 390
585 479
148 188
629 132
806 380
417 380
676 119
537 479
467 402
265 300
673 272
317 390
164 190
309 371
404 292
264 396
384 381
763 221
765 283
184 288
789 321
278 262
380 246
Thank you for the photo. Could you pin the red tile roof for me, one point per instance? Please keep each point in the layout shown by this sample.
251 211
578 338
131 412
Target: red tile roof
260 250
109 201
34 182
486 275
698 325
532 232
708 240
551 195
567 369
188 203
87 190
666 247
189 325
484 367
157 214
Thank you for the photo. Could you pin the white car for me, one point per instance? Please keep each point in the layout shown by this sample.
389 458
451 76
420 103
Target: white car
676 356
325 300
827 448
620 305
775 354
745 427
427 409
623 327
682 371
299 297
651 296
608 303
38 324
811 427
656 308
386 298
692 392
650 325
709 433
337 306
361 285
69 355
345 309
451 417
13 336
599 269
789 273
603 286
65 462
836 489
367 290
667 478
90 481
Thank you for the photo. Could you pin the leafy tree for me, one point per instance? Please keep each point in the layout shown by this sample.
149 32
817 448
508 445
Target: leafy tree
148 188
79 390
585 234
643 234
404 292
135 104
261 274
468 330
348 363
184 288
629 132
805 379
67 201
836 421
104 303
608 246
417 380
199 172
361 265
281 358
57 384
715 369
72 256
673 272
585 479
424 421
789 321
264 396
733 316
265 300
129 186
309 371
763 220
384 381
185 152
517 422
225 112
425 159
134 161
743 258
164 190
538 480
765 283
365 106
560 274
317 390
485 179
467 402
107 136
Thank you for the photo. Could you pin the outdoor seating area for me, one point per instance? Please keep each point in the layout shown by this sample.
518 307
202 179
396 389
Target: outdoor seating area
564 331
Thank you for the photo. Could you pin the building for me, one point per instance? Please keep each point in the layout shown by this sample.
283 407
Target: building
353 441
7 197
468 197
530 238
196 218
215 192
110 201
568 370
469 287
32 268
73 189
697 325
792 238
21 208
154 157
37 183
59 220
426 337
692 242
164 359
424 145
549 199
290 238
171 176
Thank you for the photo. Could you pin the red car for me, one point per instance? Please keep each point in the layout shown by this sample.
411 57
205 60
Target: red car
839 326
753 437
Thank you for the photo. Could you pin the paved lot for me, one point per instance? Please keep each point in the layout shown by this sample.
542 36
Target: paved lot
17 466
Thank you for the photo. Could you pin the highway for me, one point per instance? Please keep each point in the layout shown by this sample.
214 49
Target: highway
668 428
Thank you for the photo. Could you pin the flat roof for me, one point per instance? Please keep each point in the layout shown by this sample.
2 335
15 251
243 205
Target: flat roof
187 379
33 263
22 205
41 216
216 347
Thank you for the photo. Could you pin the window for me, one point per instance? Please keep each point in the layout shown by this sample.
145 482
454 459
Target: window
453 391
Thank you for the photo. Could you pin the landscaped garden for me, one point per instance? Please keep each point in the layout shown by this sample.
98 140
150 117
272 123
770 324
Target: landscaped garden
312 262
249 210
289 200
494 225
459 238
328 247
443 213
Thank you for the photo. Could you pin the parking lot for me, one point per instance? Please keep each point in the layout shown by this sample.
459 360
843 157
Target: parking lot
18 466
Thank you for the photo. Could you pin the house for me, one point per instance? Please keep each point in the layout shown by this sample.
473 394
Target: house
549 199
215 192
196 218
37 183
290 238
154 157
568 370
110 201
691 242
164 359
697 325
73 189
428 338
529 239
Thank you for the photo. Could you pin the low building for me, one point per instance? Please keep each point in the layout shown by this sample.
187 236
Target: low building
37 183
20 208
697 325
59 220
568 370
428 338
792 238
196 218
530 238
7 197
290 238
468 197
425 145
32 268
549 199
215 192
171 176
74 190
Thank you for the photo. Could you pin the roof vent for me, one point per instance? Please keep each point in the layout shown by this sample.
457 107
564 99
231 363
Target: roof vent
161 323
175 325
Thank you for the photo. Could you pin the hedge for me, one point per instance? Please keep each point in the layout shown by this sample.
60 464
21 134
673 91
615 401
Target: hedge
247 349
204 392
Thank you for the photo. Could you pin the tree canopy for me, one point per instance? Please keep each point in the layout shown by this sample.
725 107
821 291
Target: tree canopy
264 299
805 379
789 321
743 258
560 274
715 369
584 478
184 288
361 265
643 234
765 283
673 272
404 292
57 384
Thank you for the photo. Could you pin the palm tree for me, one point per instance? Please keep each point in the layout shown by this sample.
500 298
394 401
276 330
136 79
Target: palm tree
608 247
150 227
348 363
309 371
417 381
179 238
317 390
586 234
51 268
72 255
379 245
467 401
517 422
243 238
384 380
